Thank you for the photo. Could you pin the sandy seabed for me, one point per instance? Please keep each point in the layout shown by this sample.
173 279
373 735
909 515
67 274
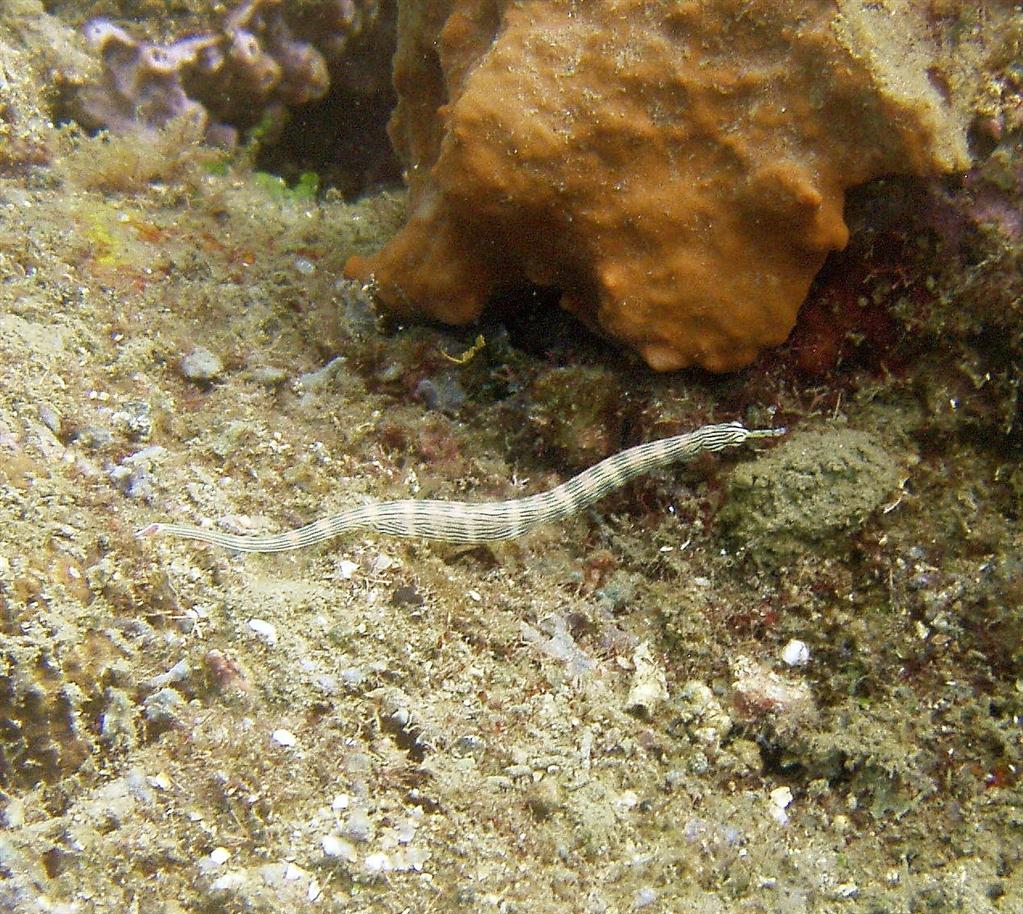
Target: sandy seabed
783 679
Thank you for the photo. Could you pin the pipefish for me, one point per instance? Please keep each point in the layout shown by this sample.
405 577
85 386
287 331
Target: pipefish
469 522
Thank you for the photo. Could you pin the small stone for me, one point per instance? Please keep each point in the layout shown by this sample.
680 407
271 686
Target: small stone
346 569
50 418
780 798
13 816
219 856
649 685
136 419
327 683
229 882
352 677
382 563
644 898
177 673
322 376
758 692
405 829
161 708
133 474
406 859
284 738
201 365
701 717
266 630
268 375
406 595
358 826
333 846
468 745
796 653
160 781
93 437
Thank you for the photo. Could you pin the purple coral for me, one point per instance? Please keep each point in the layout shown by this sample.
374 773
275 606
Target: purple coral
142 83
251 69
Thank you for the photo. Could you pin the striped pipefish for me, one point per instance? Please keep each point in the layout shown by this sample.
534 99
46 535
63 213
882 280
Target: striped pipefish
468 522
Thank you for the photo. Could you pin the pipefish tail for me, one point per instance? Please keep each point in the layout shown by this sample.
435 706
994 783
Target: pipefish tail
467 522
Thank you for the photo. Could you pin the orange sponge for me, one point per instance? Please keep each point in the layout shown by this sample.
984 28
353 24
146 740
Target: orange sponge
676 169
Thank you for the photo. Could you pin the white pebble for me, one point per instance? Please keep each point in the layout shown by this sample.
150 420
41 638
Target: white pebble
781 797
358 827
353 676
14 815
229 882
284 738
345 569
266 630
376 864
160 781
201 365
219 856
333 846
644 898
796 653
649 684
405 831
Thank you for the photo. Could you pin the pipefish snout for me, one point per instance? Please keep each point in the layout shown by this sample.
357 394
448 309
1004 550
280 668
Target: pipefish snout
467 522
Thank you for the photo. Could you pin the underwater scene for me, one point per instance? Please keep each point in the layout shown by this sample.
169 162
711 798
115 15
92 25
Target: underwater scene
514 456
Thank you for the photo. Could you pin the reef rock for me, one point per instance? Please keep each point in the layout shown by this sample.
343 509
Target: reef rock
262 59
676 170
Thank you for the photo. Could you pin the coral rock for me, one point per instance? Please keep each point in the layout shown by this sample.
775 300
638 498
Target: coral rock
676 169
263 59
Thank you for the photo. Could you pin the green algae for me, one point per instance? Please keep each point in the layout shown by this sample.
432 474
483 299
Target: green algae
304 190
